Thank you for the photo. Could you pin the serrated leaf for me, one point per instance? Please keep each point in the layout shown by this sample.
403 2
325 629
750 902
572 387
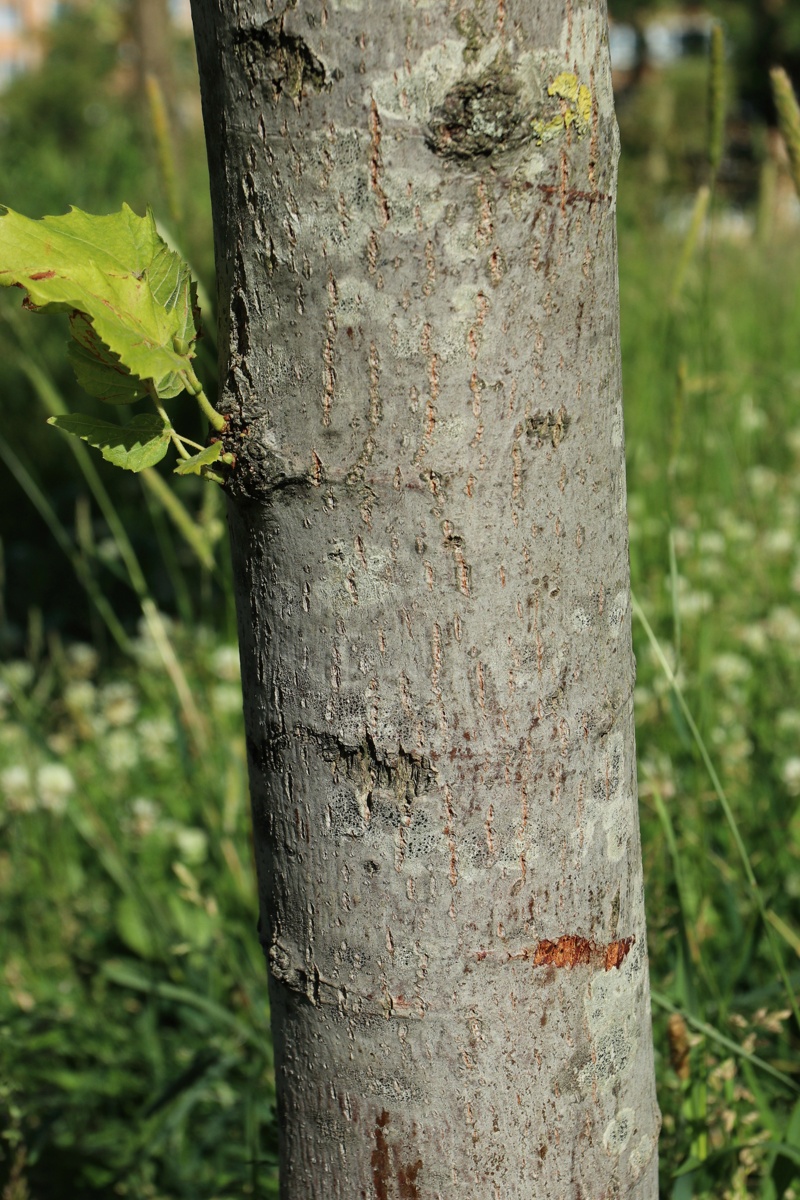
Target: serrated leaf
137 293
195 464
101 374
142 443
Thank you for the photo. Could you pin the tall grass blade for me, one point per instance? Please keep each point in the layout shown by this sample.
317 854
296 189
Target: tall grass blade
180 517
724 804
165 155
696 223
716 99
727 1043
788 119
53 403
193 720
62 538
127 976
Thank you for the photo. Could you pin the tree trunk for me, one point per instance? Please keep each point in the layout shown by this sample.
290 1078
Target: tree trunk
414 212
152 32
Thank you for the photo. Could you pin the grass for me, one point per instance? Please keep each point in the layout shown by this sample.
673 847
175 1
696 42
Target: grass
134 1049
134 1029
713 426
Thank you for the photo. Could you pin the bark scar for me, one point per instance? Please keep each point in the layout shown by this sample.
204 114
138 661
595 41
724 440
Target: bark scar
388 1167
478 117
570 950
286 60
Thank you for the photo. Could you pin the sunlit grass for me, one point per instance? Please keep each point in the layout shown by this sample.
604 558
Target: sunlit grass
713 429
134 1035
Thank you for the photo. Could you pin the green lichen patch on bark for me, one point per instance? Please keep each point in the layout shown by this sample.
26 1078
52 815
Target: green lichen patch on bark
568 106
479 117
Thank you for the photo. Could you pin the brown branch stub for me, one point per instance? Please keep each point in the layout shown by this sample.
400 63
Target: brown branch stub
478 117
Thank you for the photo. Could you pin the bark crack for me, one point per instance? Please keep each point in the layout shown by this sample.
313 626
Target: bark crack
370 769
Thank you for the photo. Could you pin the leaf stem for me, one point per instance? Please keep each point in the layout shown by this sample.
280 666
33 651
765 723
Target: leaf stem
195 387
188 441
215 419
175 438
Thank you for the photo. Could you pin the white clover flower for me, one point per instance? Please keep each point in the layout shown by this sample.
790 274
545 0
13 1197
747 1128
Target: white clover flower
751 418
145 646
16 790
790 774
119 703
191 843
120 751
711 541
80 696
735 745
783 625
788 510
156 734
694 604
225 664
225 698
82 660
754 637
60 743
788 721
712 568
145 814
18 674
762 480
147 653
779 541
12 734
736 530
54 785
683 541
731 668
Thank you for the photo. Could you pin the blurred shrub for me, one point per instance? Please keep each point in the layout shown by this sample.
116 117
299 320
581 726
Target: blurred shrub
75 132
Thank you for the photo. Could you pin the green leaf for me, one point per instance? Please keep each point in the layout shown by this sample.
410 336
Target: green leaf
136 292
195 464
140 444
101 374
133 928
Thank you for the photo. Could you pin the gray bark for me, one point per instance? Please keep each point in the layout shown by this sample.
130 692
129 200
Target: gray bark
415 228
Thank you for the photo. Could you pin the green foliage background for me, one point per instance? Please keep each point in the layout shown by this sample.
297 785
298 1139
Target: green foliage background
134 1052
